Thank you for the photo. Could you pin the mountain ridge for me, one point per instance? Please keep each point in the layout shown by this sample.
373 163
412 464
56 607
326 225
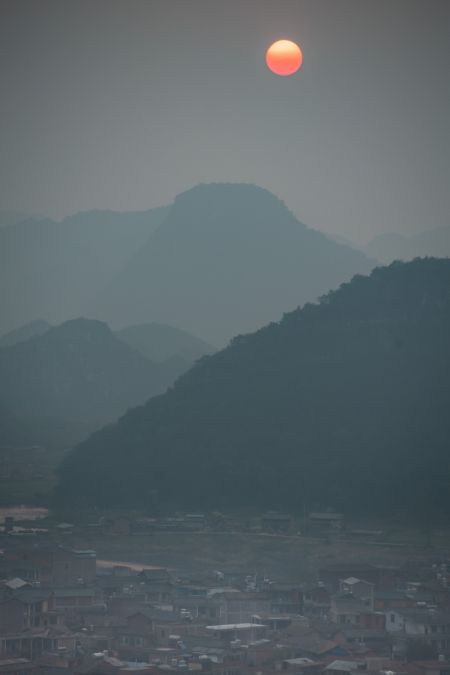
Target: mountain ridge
311 410
227 259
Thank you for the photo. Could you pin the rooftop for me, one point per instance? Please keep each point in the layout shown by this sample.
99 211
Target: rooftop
235 626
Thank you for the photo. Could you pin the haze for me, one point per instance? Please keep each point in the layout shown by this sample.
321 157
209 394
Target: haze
123 105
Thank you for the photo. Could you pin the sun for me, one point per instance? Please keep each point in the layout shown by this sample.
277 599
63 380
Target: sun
284 57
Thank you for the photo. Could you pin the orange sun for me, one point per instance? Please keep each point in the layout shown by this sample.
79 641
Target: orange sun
284 57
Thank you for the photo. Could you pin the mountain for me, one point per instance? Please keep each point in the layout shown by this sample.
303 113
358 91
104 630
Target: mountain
391 246
32 329
53 269
227 259
341 404
78 372
160 343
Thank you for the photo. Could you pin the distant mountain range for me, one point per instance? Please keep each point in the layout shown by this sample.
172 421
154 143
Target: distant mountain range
391 246
157 342
52 270
227 259
343 404
222 260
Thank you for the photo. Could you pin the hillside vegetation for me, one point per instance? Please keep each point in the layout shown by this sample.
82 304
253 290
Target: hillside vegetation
342 404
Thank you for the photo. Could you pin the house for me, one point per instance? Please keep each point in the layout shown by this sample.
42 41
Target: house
382 577
29 643
239 607
154 574
302 666
52 565
285 597
201 609
363 590
274 623
113 585
346 609
136 637
75 597
417 621
392 599
316 600
28 608
15 584
437 667
12 619
377 640
344 667
245 632
104 664
430 627
315 646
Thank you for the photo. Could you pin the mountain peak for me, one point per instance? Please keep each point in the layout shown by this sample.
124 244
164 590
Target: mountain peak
227 191
228 258
244 202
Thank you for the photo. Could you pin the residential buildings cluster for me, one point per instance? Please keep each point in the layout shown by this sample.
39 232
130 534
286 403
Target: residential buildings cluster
63 614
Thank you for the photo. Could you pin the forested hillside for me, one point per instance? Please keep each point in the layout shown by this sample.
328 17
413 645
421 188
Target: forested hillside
341 404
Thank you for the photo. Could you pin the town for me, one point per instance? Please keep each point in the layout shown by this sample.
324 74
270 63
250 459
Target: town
65 611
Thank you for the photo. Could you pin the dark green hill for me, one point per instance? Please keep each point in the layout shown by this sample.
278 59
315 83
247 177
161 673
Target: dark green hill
341 404
79 372
227 259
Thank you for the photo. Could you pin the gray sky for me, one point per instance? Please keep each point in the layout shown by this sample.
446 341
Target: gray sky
122 104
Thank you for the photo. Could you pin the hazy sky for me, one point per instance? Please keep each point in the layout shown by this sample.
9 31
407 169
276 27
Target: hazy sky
122 104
